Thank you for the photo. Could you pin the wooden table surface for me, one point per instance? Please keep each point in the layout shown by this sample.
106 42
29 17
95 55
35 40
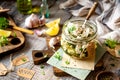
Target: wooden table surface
34 42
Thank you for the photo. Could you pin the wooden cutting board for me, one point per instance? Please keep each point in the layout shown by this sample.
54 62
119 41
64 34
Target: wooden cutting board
15 43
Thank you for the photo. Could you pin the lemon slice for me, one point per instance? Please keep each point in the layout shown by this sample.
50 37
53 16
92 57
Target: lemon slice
52 31
5 33
52 23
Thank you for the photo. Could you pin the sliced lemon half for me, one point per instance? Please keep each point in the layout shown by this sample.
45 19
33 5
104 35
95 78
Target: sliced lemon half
53 31
52 23
5 33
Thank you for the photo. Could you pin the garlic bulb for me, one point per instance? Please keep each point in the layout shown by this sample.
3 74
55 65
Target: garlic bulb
33 21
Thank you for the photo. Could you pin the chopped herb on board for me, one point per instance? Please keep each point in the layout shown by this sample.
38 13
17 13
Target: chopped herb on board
58 56
3 41
14 34
67 62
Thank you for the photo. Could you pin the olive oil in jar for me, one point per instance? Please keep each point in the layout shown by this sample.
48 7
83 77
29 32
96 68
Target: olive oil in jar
24 6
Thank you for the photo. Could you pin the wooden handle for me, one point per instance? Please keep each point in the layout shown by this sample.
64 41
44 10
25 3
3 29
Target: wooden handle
11 22
4 10
91 10
23 30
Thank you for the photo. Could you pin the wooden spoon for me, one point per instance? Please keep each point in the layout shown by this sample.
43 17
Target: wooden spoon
3 10
91 11
12 23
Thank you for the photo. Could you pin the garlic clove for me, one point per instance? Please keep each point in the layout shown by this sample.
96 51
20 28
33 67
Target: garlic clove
33 21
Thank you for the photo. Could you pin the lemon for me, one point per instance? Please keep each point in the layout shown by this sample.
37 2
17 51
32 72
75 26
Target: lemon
52 31
52 23
5 33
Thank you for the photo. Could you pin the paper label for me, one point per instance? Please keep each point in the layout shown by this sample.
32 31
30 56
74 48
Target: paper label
20 60
3 69
26 73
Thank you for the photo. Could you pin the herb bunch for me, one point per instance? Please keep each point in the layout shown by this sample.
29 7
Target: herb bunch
110 43
3 23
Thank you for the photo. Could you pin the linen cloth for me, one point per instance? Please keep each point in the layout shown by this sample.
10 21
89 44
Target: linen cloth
108 11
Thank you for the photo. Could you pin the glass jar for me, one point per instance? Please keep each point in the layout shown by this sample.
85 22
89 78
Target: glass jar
76 40
44 10
24 6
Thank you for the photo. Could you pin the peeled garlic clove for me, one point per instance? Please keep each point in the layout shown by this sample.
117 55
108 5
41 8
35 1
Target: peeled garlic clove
53 41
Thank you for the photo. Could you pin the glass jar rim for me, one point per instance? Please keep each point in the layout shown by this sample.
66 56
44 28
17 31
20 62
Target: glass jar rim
73 39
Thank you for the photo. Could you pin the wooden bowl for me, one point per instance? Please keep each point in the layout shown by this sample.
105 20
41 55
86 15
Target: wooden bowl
106 75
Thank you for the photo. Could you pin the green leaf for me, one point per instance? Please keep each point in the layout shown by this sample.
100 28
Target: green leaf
58 56
3 41
110 43
42 66
3 23
14 35
24 59
67 62
81 49
71 29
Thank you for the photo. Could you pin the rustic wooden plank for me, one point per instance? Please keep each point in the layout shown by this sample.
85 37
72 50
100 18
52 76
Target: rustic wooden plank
39 43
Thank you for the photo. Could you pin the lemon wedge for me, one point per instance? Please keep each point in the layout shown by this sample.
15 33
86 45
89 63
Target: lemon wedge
52 31
5 33
52 23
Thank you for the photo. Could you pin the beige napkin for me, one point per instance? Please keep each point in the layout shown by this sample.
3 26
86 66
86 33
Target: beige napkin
108 13
86 5
114 35
3 69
